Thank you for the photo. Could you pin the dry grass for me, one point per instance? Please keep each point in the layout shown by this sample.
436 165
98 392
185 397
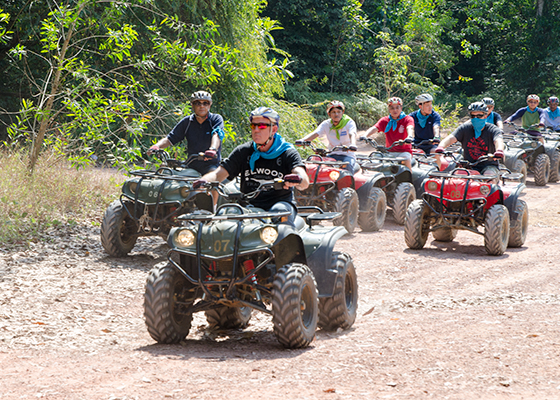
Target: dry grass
55 195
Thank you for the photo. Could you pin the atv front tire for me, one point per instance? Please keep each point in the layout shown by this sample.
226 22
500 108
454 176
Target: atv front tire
339 311
554 167
416 225
118 230
520 167
294 306
496 230
166 297
372 217
347 203
404 195
518 228
541 169
228 317
444 234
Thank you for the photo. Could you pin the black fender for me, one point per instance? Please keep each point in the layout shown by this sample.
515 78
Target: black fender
363 191
511 201
551 148
288 247
511 156
404 175
319 257
419 176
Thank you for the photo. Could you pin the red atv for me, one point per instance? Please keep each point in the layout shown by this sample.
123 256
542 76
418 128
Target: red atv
465 199
333 188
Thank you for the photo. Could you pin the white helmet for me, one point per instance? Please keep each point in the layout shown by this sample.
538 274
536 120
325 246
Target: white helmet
335 104
201 95
265 112
488 101
533 97
423 98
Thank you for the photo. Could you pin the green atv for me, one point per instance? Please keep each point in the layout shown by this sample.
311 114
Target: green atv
150 203
242 259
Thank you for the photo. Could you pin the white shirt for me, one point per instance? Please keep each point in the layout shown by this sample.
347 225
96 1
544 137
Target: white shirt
554 123
328 136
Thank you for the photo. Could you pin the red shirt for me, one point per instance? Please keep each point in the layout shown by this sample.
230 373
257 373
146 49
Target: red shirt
398 134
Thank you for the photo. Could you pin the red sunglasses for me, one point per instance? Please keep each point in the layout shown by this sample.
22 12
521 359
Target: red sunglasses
260 126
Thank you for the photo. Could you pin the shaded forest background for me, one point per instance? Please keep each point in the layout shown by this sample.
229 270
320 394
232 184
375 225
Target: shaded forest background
101 80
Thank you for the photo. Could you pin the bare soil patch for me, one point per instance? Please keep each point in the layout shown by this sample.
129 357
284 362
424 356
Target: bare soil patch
446 322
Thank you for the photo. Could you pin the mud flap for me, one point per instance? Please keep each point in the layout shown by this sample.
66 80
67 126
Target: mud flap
511 201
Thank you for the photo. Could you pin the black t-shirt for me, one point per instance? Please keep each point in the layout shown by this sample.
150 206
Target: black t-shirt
265 171
198 137
474 148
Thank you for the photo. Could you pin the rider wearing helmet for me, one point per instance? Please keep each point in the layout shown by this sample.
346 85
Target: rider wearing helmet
532 117
493 117
338 130
552 114
265 158
202 130
396 126
478 138
427 123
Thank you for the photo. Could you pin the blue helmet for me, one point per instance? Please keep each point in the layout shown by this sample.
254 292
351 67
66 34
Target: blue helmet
552 99
265 112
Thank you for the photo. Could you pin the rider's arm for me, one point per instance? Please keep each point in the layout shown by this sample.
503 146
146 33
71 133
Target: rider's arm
310 137
436 132
448 141
218 175
410 131
371 131
161 144
499 143
216 142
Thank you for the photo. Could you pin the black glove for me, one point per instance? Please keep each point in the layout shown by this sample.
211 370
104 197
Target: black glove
292 178
439 150
300 142
436 140
199 183
362 138
352 148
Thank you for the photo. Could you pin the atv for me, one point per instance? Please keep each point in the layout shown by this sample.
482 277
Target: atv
241 259
150 203
523 152
465 199
552 146
400 185
356 196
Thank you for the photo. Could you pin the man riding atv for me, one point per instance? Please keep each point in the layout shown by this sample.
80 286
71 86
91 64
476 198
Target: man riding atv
532 117
339 130
266 158
478 138
427 124
203 132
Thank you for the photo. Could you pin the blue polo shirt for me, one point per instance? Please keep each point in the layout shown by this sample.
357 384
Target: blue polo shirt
198 136
427 132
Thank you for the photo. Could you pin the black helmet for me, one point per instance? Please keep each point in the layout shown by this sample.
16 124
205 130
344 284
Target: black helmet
478 106
201 95
488 101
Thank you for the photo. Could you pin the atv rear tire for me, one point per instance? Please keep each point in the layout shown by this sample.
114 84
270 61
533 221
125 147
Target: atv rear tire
294 306
118 230
554 167
541 169
520 167
339 310
518 228
228 317
373 215
348 205
416 225
167 293
444 234
404 195
496 230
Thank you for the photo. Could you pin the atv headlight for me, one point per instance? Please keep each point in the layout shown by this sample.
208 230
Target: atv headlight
334 175
432 186
269 235
133 186
184 191
185 238
484 190
534 145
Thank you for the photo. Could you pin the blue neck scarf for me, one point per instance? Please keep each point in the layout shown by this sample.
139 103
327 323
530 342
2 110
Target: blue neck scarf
278 147
422 119
393 122
532 112
553 114
478 124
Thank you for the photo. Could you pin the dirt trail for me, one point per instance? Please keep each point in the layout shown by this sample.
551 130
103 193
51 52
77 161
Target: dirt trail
446 322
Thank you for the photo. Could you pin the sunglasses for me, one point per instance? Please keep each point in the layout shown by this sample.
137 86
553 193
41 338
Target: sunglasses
201 103
477 115
260 126
532 101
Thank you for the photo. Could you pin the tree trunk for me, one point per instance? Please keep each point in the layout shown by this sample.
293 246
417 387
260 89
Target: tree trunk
540 6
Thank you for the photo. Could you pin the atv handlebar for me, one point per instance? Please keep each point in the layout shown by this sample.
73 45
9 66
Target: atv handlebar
322 151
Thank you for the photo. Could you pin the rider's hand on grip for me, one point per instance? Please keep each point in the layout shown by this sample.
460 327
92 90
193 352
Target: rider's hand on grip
362 138
210 153
352 148
300 142
199 183
439 150
153 149
408 140
498 154
436 140
292 178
